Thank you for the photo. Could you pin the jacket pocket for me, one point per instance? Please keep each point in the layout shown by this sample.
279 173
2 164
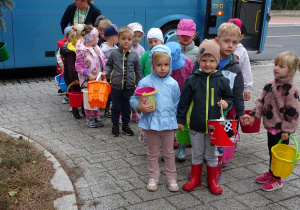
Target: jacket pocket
212 96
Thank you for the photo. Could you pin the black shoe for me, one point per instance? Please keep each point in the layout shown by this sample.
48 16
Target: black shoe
99 122
115 130
127 130
60 91
82 113
75 113
107 113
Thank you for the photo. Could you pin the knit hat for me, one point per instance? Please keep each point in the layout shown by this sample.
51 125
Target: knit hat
238 23
136 27
155 33
211 47
98 19
111 30
177 57
67 30
186 27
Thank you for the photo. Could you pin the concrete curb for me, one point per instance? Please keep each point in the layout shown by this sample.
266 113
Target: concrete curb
60 180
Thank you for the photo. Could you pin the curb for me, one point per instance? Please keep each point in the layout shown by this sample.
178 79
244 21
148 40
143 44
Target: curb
60 180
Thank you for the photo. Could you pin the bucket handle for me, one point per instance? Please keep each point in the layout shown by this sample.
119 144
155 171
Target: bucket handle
222 113
297 149
80 85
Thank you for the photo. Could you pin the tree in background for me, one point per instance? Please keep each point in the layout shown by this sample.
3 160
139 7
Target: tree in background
285 5
5 4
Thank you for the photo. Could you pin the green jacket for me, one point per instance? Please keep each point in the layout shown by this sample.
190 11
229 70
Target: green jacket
146 68
200 94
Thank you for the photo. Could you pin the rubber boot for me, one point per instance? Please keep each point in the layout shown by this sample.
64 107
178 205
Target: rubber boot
212 182
195 180
181 154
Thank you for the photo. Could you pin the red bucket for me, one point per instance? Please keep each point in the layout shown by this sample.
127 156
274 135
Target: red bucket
75 98
251 129
222 132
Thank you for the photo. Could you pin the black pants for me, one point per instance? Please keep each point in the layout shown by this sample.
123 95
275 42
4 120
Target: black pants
120 103
272 141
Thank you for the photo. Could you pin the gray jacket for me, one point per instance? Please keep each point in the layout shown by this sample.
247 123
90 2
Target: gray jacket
123 69
190 51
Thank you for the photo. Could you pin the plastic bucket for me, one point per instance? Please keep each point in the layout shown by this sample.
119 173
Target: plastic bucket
86 104
62 85
75 98
284 158
4 54
222 132
98 93
228 152
251 129
146 95
183 137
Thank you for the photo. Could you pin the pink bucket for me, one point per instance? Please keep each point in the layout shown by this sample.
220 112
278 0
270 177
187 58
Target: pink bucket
146 95
228 152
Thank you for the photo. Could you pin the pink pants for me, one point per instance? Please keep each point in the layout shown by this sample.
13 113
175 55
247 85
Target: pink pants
166 139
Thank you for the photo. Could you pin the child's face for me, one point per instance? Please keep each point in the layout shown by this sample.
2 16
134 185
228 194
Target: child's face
94 42
228 44
208 63
281 70
154 42
125 40
137 37
162 66
101 33
185 40
114 39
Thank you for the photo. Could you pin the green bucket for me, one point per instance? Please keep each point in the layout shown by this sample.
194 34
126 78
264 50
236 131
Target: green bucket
4 54
183 137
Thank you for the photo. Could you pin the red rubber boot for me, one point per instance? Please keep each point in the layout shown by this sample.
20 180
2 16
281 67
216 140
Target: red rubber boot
212 182
195 180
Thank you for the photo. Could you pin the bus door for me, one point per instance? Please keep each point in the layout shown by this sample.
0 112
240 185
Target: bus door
6 37
255 15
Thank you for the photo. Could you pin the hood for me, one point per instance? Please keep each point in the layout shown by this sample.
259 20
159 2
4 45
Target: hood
161 48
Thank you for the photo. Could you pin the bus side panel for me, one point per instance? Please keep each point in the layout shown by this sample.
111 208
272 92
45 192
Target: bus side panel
8 39
265 24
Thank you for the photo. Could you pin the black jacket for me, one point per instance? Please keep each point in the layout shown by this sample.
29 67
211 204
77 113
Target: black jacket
70 74
204 90
68 16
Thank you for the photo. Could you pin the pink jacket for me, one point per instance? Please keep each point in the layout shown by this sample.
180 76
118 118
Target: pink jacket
86 63
180 75
279 105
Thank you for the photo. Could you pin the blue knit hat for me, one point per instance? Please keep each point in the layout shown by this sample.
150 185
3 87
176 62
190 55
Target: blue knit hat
177 57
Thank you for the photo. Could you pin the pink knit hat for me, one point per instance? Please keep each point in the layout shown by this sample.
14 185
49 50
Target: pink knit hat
186 27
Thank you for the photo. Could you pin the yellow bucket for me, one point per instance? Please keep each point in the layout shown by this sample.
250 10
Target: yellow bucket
284 158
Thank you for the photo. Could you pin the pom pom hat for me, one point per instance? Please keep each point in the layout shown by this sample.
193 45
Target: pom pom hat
209 47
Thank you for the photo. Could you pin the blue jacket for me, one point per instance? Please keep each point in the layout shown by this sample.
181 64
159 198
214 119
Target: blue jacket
166 98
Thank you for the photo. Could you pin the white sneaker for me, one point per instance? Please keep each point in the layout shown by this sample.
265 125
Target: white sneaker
152 185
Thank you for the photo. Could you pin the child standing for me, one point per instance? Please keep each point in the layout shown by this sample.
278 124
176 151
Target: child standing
160 124
279 107
111 36
90 61
138 35
186 32
206 86
182 68
103 23
244 60
124 70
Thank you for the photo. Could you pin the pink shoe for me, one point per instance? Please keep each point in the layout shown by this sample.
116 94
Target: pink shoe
272 184
264 178
135 117
120 119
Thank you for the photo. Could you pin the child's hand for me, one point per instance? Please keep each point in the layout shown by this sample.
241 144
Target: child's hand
284 136
223 103
245 119
252 120
180 127
76 82
246 96
103 75
91 77
145 108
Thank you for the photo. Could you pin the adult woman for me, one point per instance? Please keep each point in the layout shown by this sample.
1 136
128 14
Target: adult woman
80 12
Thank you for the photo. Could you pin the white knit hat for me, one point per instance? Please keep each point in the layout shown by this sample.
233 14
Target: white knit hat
155 33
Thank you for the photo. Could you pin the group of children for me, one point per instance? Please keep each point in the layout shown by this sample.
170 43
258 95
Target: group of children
192 84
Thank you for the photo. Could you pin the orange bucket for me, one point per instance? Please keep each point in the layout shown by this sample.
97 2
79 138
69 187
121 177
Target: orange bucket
75 98
98 92
251 129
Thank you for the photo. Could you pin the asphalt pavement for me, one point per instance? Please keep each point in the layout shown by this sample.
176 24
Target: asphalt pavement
111 172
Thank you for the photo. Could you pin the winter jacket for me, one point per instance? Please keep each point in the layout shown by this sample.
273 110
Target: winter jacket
123 69
278 105
166 99
233 72
191 51
68 16
145 63
201 93
244 61
107 49
181 74
86 63
59 58
68 52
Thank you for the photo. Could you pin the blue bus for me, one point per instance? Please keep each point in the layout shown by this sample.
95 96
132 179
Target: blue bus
33 27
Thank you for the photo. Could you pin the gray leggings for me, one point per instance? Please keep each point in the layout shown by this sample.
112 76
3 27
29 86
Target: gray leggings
203 148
